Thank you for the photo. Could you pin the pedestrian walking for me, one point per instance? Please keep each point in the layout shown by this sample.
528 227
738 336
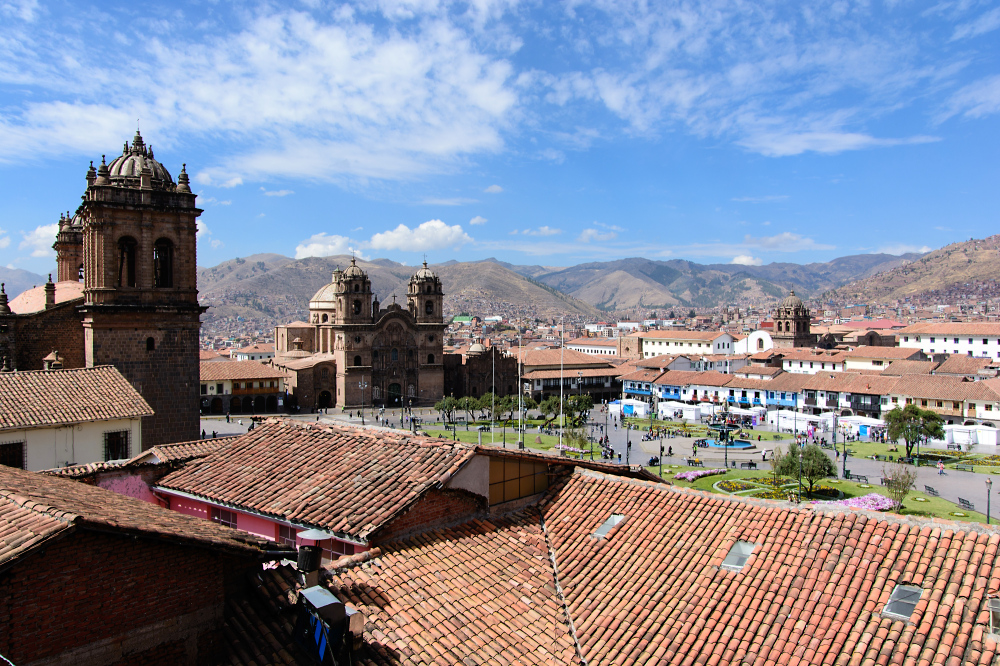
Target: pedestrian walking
940 468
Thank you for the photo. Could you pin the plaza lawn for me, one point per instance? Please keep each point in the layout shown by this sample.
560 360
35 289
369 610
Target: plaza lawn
933 506
471 436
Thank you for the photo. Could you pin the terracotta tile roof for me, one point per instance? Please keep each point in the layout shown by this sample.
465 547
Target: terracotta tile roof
683 335
537 587
571 372
60 397
549 357
209 355
36 507
260 348
634 471
480 593
182 451
33 300
958 364
766 370
902 353
593 342
951 328
943 387
85 470
236 370
641 376
910 368
345 480
692 377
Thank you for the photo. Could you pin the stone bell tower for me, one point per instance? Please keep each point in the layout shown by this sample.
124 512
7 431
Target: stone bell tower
140 310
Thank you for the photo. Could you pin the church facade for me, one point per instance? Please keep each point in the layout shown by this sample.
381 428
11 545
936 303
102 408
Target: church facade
792 324
355 351
132 243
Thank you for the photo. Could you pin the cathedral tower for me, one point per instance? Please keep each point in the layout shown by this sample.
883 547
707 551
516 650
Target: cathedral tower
140 310
792 323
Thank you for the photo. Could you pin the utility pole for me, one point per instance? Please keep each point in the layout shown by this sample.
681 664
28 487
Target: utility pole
562 350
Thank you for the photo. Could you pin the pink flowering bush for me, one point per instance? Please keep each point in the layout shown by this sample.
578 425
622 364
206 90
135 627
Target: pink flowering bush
870 502
693 475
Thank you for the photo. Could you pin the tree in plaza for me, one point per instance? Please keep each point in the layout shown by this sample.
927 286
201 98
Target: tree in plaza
899 480
579 404
447 406
486 405
911 424
549 406
468 404
816 465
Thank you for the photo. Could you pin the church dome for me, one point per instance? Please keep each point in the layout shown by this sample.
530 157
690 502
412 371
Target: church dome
127 167
424 273
476 349
791 301
353 271
326 294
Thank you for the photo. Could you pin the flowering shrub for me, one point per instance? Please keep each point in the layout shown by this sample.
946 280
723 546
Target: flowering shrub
771 494
989 460
825 490
871 502
774 483
693 475
731 486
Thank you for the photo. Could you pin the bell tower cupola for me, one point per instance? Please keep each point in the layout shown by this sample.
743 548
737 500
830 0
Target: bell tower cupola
425 297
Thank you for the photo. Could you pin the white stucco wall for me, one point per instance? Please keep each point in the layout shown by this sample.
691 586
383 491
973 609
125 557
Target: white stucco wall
75 445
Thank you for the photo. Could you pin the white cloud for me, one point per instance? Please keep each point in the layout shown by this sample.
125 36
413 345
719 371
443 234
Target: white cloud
590 235
902 248
4 239
22 9
213 201
217 179
976 100
796 143
769 198
276 193
542 231
323 245
493 189
988 22
610 227
40 240
216 244
746 260
431 235
785 242
202 231
478 220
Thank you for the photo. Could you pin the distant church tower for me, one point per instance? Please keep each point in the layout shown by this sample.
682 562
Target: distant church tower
140 309
791 323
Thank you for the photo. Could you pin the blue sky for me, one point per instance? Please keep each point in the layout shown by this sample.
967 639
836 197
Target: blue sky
549 133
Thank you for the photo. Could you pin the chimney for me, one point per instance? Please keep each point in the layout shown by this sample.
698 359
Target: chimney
50 293
53 361
4 307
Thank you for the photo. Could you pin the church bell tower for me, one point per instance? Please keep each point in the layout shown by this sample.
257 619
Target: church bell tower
140 311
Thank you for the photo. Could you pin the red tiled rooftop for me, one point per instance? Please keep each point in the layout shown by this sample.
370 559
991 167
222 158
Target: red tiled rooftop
42 398
345 480
33 300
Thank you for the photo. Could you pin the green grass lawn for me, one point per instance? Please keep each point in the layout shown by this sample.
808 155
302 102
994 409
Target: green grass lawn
532 440
916 503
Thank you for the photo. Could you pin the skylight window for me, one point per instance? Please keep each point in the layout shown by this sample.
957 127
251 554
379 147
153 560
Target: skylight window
993 605
902 602
738 555
608 525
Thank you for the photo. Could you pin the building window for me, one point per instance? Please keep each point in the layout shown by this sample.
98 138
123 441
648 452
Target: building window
738 555
430 358
357 360
429 307
218 389
14 454
286 535
902 602
204 389
150 344
357 304
514 479
116 445
163 263
223 517
326 318
126 261
395 354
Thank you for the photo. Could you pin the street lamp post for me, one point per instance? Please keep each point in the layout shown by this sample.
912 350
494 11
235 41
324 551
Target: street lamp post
800 474
562 348
989 491
362 385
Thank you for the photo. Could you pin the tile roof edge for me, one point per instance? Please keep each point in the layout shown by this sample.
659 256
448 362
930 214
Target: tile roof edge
350 561
559 590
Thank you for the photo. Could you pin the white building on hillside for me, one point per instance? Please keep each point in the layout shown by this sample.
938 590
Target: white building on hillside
975 339
594 346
